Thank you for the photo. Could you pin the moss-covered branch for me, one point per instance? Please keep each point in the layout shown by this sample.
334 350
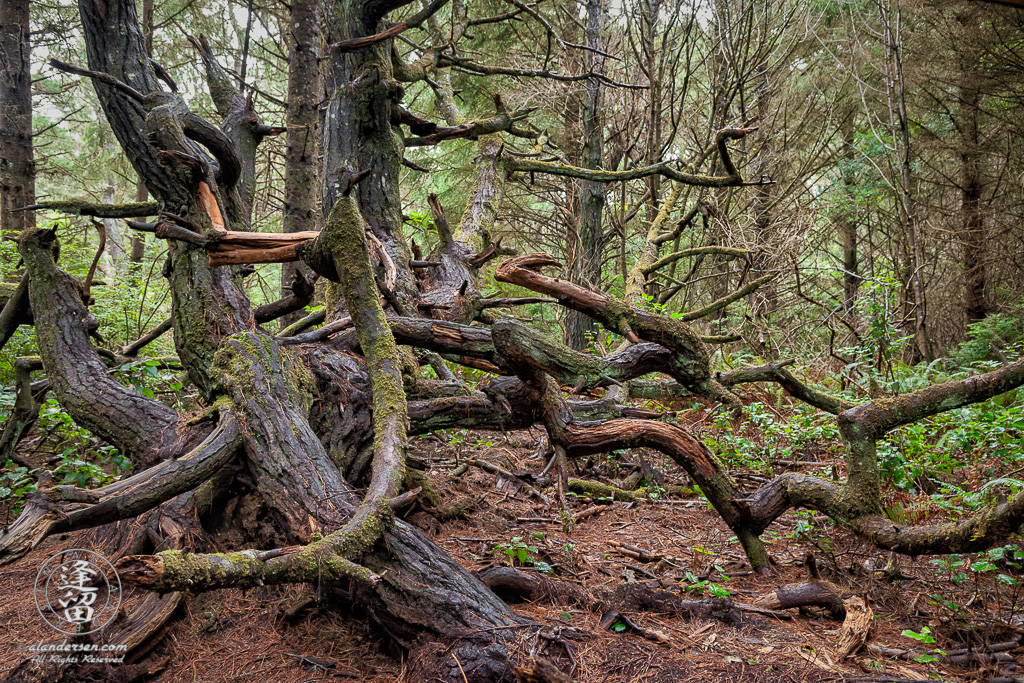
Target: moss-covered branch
778 372
81 207
667 169
669 259
726 300
886 414
690 362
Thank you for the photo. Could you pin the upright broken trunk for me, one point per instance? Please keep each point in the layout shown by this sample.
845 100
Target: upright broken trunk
358 134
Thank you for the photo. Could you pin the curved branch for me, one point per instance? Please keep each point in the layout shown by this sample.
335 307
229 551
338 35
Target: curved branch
672 258
883 416
473 67
663 168
356 44
726 300
777 372
690 359
104 78
473 130
602 176
980 531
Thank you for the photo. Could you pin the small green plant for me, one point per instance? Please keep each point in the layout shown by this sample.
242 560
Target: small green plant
15 485
85 461
522 554
953 567
697 585
924 636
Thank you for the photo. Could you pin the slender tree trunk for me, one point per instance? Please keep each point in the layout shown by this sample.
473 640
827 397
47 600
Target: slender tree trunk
651 65
762 300
900 124
971 218
113 251
139 238
17 166
587 264
300 168
846 223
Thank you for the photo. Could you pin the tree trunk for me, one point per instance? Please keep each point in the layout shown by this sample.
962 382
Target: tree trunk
141 193
900 126
590 250
300 152
972 230
762 300
113 252
846 223
652 69
139 238
17 166
358 134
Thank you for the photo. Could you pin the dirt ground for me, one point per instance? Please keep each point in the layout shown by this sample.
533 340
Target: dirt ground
246 636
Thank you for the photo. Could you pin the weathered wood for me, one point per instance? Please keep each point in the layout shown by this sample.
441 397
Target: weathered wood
853 634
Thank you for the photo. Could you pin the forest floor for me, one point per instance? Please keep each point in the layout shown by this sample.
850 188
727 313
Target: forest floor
246 636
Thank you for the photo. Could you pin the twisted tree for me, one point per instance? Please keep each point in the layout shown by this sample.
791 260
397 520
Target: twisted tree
295 423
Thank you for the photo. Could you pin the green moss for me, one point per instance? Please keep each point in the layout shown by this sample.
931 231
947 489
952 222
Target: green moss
430 494
81 207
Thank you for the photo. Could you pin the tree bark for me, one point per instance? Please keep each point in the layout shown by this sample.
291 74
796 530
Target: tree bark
972 222
846 222
900 126
300 151
17 166
358 134
141 192
590 249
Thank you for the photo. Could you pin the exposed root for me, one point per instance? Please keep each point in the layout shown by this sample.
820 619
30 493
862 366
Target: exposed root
513 583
